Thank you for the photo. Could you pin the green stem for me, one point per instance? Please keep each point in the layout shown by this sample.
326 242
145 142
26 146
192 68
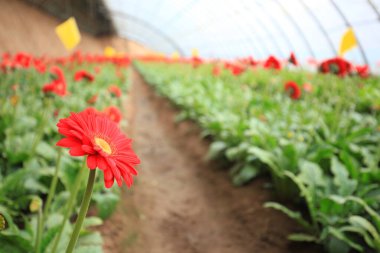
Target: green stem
70 206
41 128
39 231
83 211
53 186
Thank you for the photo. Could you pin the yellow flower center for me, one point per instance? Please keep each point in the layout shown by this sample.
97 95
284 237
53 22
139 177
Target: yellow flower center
103 145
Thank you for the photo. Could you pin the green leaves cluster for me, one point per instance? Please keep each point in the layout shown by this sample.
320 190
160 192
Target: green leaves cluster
28 157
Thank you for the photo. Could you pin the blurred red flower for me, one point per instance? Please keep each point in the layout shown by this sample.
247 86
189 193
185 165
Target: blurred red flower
293 90
237 70
293 60
82 74
92 134
216 70
113 113
92 100
196 61
272 63
362 71
307 87
114 90
58 85
337 66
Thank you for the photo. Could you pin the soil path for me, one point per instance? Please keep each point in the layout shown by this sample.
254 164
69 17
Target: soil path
182 203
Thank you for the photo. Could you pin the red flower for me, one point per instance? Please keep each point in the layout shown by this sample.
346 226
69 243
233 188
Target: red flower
292 59
79 75
293 90
114 90
216 70
337 66
272 63
92 100
113 113
362 71
58 85
307 87
196 61
94 135
236 70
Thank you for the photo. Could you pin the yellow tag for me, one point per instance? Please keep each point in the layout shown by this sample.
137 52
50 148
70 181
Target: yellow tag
109 51
175 55
68 33
195 52
348 41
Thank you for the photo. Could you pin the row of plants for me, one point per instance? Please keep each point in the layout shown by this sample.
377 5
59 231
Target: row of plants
41 186
316 134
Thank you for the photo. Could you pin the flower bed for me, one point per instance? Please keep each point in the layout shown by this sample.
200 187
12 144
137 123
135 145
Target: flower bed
41 185
317 135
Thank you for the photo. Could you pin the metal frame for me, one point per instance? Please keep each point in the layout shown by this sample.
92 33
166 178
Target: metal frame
151 28
297 27
319 24
348 24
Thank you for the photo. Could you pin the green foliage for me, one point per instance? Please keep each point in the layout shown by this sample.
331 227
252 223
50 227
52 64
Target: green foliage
28 155
322 151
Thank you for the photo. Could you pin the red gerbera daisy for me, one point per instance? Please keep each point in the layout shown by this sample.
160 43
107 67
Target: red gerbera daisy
272 63
107 148
113 113
293 90
216 70
114 90
58 85
292 59
79 75
92 100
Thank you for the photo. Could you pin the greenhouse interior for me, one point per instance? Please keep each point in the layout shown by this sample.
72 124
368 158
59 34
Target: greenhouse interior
190 126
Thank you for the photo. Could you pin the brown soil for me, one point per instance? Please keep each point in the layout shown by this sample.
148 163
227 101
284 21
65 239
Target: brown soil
182 203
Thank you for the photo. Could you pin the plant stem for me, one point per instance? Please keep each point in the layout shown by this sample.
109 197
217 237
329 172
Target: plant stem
39 231
70 206
41 128
83 211
53 186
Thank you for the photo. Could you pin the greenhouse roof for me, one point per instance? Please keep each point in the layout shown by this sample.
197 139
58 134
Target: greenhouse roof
237 28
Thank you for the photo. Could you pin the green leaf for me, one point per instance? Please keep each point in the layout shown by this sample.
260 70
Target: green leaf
105 203
311 174
344 184
367 226
46 151
92 221
266 158
340 243
299 237
290 213
216 148
245 174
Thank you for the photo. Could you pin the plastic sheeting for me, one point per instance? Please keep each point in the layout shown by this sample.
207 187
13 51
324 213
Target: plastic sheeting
238 28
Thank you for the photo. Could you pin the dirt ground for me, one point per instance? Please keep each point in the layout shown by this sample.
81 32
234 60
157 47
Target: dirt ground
182 203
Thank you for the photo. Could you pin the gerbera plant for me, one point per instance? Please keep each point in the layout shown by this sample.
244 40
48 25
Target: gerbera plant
293 90
94 135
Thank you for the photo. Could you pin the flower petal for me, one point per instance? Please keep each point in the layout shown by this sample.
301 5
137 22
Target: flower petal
91 161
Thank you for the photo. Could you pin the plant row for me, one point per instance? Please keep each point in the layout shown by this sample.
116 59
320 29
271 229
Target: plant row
316 134
40 185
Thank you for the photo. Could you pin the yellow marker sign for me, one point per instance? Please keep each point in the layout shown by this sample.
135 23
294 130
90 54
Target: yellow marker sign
195 52
175 55
68 33
109 51
348 41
